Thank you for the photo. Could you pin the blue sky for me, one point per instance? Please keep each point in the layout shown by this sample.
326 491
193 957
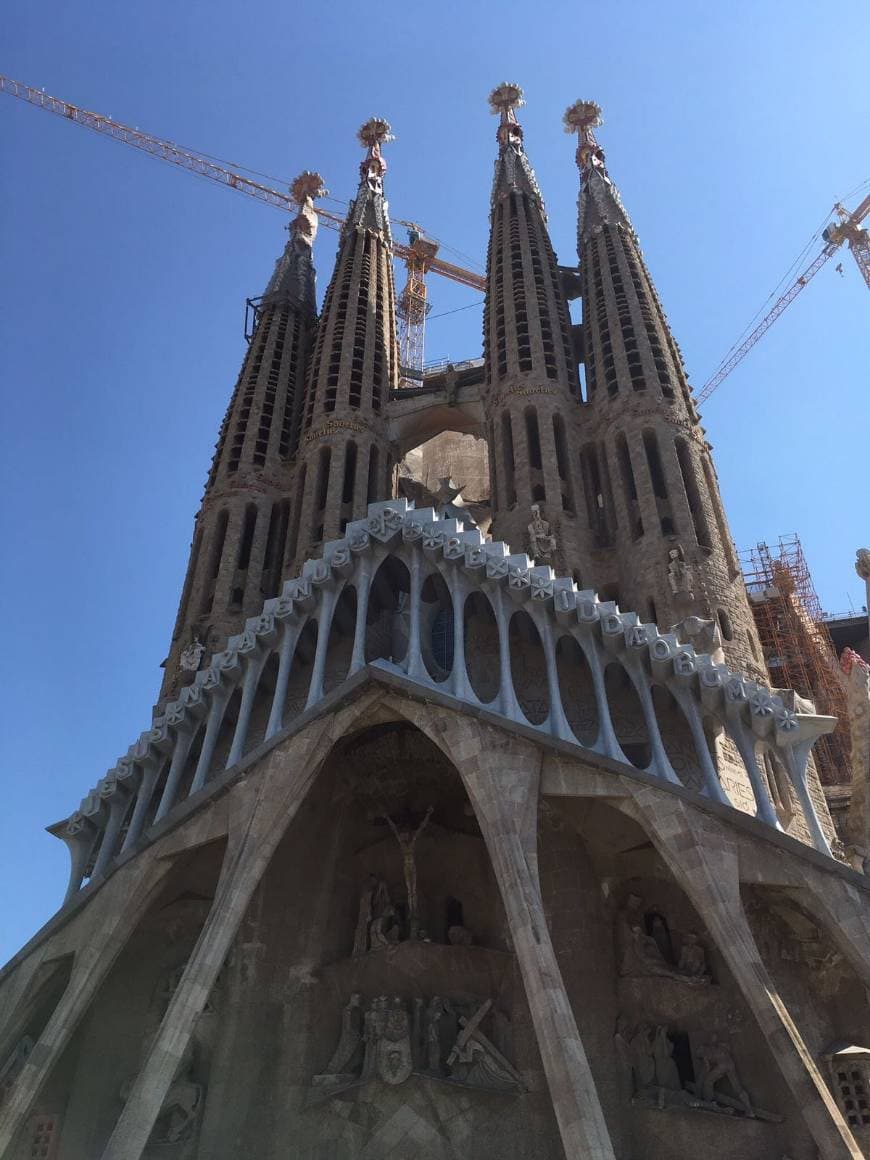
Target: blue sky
730 130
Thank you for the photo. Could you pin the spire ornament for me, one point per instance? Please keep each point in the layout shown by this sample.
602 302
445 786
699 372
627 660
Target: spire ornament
582 118
503 100
372 135
303 190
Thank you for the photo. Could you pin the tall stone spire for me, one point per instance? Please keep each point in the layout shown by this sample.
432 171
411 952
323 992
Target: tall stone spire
237 553
344 457
531 386
676 558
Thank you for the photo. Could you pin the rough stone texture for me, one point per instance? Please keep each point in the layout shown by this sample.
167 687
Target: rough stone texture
542 848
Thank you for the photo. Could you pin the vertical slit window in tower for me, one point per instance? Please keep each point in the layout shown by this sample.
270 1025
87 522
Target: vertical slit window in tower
645 297
610 520
493 472
593 491
653 615
289 405
247 398
188 583
719 515
562 463
217 551
603 324
274 552
521 318
349 482
623 455
360 326
381 340
693 494
293 540
373 482
507 445
659 483
533 439
534 230
629 341
497 291
323 463
267 407
247 539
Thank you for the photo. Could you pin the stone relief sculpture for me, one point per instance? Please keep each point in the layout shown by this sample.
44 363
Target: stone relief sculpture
542 542
680 577
387 1039
178 1119
645 947
190 658
12 1065
407 841
705 1078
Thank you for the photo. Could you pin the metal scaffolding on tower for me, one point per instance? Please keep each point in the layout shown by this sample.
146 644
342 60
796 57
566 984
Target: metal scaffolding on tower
798 649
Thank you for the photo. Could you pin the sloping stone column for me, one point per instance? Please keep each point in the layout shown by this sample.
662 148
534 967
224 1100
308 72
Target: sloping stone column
502 778
705 864
113 918
258 822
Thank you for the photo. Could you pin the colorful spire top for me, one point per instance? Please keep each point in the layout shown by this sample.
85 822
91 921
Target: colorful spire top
599 201
368 210
372 135
303 190
582 118
503 100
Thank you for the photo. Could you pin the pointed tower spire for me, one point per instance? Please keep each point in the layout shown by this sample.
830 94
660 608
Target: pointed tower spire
344 458
530 372
237 553
676 558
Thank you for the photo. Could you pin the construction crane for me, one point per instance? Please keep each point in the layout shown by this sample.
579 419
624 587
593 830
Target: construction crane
847 229
420 256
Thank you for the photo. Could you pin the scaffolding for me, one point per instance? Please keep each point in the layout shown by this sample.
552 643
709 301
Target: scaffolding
798 649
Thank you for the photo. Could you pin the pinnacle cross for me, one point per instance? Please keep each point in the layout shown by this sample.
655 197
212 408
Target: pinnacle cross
304 189
372 135
582 118
503 100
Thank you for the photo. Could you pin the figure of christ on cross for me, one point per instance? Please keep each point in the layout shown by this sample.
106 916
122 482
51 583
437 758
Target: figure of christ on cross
407 840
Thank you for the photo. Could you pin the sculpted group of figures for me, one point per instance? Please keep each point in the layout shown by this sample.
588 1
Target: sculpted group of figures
646 947
390 1038
702 1076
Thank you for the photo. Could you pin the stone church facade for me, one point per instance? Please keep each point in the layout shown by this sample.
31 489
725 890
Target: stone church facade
431 848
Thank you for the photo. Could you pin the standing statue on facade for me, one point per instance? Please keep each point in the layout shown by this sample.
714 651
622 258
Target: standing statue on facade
190 658
407 841
680 577
542 542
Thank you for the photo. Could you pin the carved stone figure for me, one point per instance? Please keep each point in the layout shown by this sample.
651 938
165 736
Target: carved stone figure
459 936
542 543
179 1114
364 918
12 1065
642 954
716 1063
395 1060
434 1015
384 930
862 563
407 841
190 658
476 1061
350 1040
693 957
387 1039
680 577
